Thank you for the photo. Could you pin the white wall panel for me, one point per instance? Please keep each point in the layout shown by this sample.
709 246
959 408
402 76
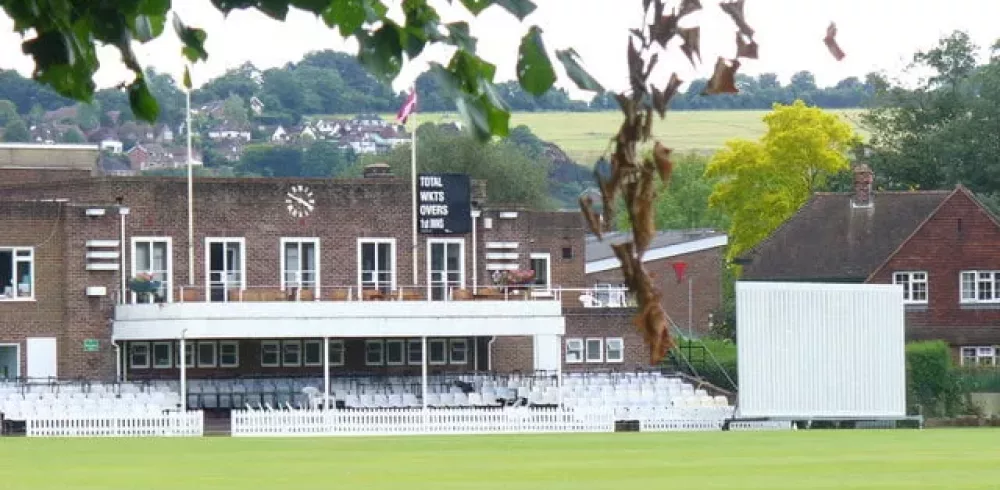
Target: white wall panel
820 350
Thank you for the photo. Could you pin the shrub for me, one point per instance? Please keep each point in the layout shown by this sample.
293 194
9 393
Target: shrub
933 385
719 359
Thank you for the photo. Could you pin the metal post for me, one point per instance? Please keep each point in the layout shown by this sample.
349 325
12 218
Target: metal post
190 196
183 355
413 189
475 258
690 307
423 372
326 373
121 254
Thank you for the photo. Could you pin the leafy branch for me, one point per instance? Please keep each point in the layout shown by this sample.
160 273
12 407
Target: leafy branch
635 179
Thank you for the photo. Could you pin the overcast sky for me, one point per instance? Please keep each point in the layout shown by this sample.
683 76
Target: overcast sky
877 35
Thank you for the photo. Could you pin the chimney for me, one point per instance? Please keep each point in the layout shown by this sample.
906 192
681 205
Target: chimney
377 170
863 181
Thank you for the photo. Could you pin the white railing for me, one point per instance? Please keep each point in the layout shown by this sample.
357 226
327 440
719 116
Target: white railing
168 424
417 422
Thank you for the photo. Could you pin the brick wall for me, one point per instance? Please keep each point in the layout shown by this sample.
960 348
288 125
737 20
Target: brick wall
603 323
12 176
960 236
704 271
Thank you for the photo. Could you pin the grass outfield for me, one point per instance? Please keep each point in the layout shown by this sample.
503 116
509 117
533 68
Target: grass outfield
584 135
904 459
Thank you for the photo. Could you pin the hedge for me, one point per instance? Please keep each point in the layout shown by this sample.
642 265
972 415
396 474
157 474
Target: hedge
932 383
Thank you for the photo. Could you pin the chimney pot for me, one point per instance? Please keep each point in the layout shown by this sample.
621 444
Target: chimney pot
863 181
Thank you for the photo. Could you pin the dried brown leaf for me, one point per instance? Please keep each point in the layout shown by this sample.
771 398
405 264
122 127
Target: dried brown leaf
831 42
658 9
593 221
664 167
663 29
635 70
624 253
671 89
649 67
723 79
647 126
735 11
689 6
639 34
645 5
744 48
692 43
642 212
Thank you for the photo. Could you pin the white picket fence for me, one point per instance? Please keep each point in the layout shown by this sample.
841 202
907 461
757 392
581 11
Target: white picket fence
250 423
169 424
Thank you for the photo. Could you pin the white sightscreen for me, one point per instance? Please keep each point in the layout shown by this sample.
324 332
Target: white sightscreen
820 350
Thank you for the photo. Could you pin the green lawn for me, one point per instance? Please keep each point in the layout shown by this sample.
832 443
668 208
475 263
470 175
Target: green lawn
903 459
584 135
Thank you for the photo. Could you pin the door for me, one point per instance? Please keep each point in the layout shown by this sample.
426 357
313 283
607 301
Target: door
225 268
446 267
10 361
42 357
547 352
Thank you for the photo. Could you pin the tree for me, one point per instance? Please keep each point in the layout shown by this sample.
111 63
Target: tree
8 111
16 131
762 183
511 176
73 135
235 111
270 161
684 204
87 115
324 159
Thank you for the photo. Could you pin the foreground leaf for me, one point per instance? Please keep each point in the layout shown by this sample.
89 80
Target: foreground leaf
723 80
534 69
831 42
571 62
735 11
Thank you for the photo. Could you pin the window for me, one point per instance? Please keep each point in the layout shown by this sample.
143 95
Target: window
229 353
445 266
161 355
914 286
574 351
270 353
394 352
291 353
189 353
979 356
300 263
373 352
17 279
459 351
336 352
138 354
437 351
312 353
543 273
595 350
414 349
206 354
376 264
980 287
153 256
567 253
225 267
614 349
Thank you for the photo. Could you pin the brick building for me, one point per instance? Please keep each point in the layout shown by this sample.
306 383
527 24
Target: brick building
687 266
941 247
26 163
279 266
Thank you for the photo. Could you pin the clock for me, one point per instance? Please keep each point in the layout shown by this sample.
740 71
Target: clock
300 201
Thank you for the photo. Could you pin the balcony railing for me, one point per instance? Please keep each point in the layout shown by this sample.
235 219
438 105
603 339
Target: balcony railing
594 297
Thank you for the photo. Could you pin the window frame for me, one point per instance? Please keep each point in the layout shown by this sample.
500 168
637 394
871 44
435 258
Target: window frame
547 257
409 350
430 352
224 241
381 352
283 273
285 344
131 355
342 350
392 254
14 261
994 280
170 355
621 350
461 258
452 344
908 285
190 351
402 352
215 354
235 344
318 343
169 272
599 350
276 344
977 355
574 344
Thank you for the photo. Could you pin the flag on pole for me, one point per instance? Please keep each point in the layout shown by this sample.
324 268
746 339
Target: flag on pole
409 106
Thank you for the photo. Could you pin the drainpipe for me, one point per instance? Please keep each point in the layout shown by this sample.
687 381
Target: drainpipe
118 360
489 355
475 254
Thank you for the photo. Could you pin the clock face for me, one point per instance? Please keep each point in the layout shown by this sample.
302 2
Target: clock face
300 201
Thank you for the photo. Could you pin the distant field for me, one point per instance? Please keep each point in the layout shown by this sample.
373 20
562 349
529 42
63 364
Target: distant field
584 135
954 459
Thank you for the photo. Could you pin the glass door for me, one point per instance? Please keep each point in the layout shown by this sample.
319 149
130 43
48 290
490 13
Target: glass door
225 268
445 269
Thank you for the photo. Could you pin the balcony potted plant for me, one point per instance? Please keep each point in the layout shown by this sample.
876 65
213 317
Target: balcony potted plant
514 280
144 285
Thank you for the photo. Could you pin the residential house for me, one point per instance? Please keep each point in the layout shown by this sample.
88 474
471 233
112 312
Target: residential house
941 247
226 130
279 135
149 156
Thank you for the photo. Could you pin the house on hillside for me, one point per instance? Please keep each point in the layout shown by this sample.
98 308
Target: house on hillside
687 266
941 247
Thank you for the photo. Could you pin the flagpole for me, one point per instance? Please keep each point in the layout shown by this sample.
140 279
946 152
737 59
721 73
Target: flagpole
413 184
190 195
